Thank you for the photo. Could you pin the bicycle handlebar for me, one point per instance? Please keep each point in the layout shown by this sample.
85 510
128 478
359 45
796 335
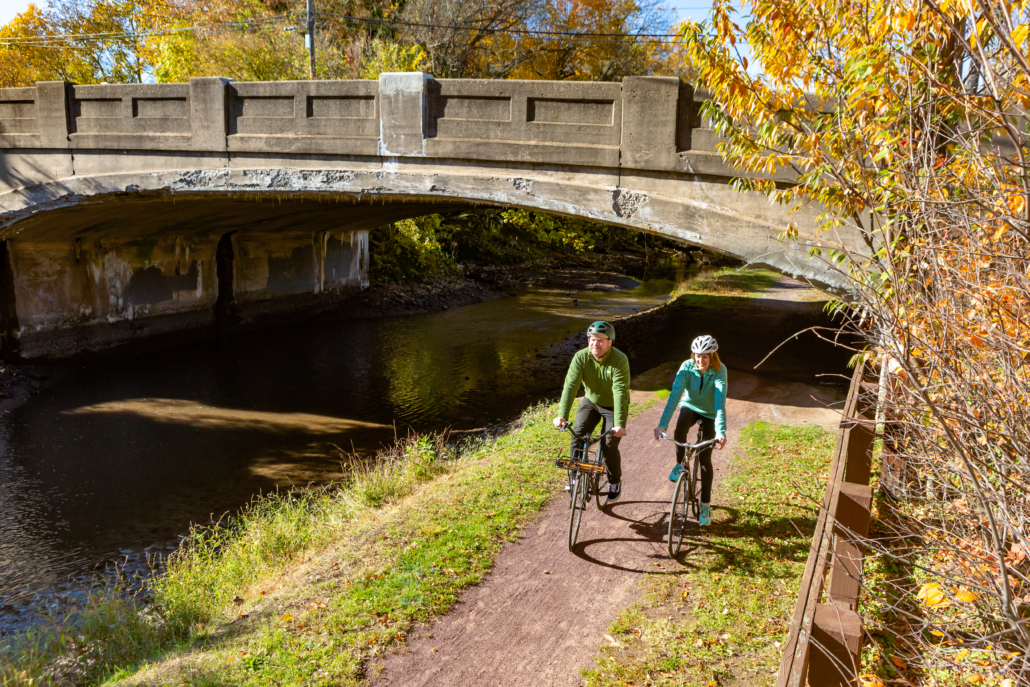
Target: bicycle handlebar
567 427
703 444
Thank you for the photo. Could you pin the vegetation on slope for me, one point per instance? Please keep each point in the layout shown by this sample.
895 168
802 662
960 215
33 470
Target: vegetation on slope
306 588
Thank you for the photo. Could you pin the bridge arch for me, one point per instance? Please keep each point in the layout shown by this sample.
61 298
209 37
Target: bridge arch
105 189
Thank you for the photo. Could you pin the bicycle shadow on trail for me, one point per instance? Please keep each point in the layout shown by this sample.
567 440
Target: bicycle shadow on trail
650 530
751 549
727 544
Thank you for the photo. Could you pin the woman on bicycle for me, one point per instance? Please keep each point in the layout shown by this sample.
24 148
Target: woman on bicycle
701 383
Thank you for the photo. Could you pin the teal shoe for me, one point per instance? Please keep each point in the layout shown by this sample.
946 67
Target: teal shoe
706 516
674 476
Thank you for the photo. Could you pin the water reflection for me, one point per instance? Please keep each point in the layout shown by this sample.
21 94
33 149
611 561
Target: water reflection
120 457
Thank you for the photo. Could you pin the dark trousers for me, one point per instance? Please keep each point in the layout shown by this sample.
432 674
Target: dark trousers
687 419
587 418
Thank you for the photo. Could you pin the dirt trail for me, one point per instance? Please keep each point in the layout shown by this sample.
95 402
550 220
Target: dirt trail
542 613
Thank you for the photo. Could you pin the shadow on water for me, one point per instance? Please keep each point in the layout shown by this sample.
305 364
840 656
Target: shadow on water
116 459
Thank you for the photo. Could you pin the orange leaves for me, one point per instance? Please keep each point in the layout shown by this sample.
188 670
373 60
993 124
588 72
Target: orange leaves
870 681
1016 555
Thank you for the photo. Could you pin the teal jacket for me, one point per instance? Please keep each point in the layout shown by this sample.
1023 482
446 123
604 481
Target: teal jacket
705 395
606 382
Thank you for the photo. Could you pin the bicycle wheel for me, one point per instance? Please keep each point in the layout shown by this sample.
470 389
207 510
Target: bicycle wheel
579 504
678 515
695 489
601 489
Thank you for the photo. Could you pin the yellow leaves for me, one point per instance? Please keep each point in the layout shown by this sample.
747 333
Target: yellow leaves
285 618
870 681
1019 33
976 679
932 595
961 655
966 596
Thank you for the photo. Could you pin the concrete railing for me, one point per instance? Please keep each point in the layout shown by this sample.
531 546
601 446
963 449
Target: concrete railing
643 123
824 643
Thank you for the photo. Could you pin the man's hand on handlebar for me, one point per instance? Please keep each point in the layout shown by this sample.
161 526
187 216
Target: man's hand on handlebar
618 431
559 422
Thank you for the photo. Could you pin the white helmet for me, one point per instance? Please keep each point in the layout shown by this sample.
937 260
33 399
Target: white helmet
704 344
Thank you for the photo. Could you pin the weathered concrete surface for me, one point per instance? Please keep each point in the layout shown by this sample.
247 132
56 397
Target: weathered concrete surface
85 169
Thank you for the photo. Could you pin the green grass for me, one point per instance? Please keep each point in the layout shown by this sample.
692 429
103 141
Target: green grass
717 619
727 286
307 589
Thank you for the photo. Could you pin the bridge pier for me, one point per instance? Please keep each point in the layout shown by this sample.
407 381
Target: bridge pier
64 297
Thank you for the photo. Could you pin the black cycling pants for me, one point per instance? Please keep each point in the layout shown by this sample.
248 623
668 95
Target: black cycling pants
687 419
587 418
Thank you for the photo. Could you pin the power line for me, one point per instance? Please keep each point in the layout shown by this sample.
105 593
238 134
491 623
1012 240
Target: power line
253 24
481 29
71 37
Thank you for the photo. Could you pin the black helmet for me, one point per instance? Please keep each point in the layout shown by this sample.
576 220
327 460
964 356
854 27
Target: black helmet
602 328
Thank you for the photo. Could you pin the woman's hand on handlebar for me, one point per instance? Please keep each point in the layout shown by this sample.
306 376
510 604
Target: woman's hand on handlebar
658 432
720 442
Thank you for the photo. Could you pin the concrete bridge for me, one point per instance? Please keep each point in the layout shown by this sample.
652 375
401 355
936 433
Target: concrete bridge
130 210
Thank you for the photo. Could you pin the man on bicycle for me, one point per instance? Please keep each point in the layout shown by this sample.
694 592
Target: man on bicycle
603 370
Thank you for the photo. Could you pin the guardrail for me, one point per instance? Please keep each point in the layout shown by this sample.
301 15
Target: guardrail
824 643
643 123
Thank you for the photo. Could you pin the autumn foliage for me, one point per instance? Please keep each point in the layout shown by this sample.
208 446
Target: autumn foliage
125 41
907 120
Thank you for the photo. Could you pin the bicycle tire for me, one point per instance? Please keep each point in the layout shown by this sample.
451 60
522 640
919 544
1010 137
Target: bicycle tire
678 515
695 488
601 489
579 502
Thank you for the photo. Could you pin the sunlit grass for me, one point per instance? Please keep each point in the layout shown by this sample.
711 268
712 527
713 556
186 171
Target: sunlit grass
722 619
306 588
728 282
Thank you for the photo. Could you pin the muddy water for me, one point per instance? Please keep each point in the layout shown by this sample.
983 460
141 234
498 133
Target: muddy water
111 464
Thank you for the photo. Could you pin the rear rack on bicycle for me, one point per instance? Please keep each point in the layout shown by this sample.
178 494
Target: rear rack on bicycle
566 463
569 464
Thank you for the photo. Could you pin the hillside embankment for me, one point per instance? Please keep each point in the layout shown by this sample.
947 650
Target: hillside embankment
319 588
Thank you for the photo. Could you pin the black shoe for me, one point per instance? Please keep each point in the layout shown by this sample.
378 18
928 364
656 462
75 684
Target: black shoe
614 491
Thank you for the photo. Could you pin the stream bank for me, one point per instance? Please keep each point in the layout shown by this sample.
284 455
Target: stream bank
336 592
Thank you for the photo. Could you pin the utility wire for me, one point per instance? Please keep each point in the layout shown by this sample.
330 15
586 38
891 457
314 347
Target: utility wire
70 37
478 29
253 24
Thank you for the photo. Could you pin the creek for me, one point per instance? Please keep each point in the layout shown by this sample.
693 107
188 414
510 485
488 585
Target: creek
106 468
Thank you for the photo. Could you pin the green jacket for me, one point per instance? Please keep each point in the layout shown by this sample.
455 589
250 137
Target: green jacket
606 382
704 394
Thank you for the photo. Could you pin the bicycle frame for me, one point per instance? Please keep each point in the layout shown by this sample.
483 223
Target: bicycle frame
585 476
685 495
586 443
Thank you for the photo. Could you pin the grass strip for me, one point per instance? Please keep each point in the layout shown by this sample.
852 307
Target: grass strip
307 589
720 619
729 286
